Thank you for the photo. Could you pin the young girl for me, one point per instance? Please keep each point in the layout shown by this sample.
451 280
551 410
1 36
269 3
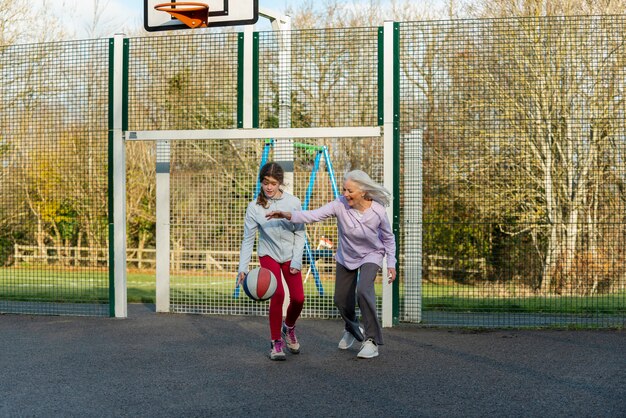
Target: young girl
365 238
280 248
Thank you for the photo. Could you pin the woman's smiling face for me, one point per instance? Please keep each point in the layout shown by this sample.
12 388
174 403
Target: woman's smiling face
353 194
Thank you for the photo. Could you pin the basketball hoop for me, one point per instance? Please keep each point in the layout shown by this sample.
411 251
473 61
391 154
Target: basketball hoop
192 14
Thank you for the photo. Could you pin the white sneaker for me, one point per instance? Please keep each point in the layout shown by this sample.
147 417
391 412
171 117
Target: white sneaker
369 349
346 341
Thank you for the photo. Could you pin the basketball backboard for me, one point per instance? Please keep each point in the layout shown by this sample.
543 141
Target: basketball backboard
221 13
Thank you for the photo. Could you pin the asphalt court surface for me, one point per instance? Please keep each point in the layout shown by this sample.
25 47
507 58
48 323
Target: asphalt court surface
172 365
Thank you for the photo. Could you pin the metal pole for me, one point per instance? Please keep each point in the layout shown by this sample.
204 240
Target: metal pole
412 271
119 177
283 151
388 87
163 226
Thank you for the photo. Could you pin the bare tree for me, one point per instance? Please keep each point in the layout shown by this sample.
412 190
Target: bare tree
536 8
99 25
552 104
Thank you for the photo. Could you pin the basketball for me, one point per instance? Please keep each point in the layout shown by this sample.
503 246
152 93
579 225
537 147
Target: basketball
260 284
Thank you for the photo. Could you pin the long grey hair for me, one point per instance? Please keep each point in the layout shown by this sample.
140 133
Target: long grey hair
373 191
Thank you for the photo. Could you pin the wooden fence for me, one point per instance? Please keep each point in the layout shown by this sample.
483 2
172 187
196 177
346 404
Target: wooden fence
436 267
143 259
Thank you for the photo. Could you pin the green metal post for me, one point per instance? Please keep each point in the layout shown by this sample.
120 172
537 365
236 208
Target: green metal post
125 74
118 122
381 74
240 75
396 165
255 80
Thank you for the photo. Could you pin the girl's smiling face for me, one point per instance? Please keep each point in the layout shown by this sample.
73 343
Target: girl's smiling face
271 187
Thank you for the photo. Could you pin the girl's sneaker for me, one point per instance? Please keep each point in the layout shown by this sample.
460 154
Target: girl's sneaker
289 334
277 352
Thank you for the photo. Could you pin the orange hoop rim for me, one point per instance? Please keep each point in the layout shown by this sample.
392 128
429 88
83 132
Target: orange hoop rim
187 6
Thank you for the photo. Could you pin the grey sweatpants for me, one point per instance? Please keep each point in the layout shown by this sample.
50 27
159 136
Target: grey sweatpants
358 284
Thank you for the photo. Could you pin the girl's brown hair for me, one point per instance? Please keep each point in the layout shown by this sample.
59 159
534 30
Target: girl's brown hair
273 170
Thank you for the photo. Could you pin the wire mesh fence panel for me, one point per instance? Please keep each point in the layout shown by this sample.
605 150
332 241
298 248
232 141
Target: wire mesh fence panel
183 82
521 140
53 143
212 184
323 78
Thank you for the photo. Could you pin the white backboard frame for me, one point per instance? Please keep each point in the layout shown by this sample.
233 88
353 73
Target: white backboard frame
221 13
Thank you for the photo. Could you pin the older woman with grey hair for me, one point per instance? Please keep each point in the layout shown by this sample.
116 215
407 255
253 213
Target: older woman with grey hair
365 239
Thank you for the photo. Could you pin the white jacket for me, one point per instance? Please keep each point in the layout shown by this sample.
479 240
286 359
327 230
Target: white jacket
278 238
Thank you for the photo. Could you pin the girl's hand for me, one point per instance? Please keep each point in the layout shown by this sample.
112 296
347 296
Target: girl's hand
241 277
293 270
391 274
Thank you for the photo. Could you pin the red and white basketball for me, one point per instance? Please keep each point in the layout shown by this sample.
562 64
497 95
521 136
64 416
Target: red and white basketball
260 284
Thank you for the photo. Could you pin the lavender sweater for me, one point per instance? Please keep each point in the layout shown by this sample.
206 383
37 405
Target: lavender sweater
362 239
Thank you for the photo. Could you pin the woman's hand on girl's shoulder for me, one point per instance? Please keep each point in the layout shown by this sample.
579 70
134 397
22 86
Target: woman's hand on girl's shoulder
276 214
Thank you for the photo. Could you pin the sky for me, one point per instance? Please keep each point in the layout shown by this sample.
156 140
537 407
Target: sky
119 16
126 16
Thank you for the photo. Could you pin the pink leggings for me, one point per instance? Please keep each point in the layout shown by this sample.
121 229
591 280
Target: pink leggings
296 295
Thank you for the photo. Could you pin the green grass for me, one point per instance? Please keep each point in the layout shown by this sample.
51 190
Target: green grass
614 304
53 285
464 298
140 287
84 286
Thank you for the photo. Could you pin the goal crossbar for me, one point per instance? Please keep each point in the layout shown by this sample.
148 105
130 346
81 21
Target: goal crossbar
255 133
